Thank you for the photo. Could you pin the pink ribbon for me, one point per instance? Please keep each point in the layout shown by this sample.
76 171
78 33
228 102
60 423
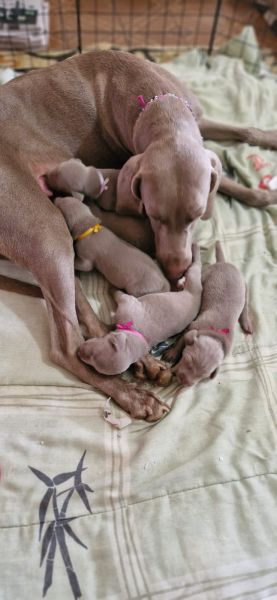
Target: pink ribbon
129 328
142 102
103 184
224 330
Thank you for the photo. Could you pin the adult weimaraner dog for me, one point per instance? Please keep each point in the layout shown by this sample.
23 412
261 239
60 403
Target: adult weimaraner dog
87 107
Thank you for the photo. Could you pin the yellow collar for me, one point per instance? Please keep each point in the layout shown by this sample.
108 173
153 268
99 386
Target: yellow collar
95 229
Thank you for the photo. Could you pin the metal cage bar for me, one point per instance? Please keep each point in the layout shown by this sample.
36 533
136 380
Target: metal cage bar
150 26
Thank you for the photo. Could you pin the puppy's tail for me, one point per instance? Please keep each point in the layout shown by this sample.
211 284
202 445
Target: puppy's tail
219 253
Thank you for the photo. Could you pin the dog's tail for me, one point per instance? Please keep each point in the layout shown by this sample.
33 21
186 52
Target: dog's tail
219 253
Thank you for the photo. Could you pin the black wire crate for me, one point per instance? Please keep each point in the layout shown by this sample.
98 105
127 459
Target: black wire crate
35 33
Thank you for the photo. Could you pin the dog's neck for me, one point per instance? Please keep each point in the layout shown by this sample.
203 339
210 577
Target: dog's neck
163 119
136 346
83 224
224 336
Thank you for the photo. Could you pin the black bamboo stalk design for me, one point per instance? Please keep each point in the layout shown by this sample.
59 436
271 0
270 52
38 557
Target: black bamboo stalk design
55 534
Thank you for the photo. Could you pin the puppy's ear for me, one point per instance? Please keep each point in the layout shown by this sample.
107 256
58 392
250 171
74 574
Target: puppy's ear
216 172
190 337
214 374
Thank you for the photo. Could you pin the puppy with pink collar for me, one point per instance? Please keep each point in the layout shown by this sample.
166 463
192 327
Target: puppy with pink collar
208 339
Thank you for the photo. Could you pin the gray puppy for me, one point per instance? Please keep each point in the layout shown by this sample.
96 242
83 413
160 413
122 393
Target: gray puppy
209 338
124 266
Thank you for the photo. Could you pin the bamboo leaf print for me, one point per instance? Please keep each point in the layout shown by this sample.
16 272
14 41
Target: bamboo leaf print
86 487
70 532
68 564
46 541
63 477
43 508
42 477
48 577
56 530
79 470
80 490
66 502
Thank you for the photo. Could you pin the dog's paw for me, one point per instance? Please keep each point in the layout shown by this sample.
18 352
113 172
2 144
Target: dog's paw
143 404
151 368
262 198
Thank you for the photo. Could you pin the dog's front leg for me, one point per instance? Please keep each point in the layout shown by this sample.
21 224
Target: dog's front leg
42 243
65 341
89 322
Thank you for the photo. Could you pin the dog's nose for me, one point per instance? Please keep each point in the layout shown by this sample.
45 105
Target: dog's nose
176 269
174 275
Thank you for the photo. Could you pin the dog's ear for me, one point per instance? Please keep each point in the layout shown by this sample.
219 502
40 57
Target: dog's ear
128 199
190 337
216 172
136 192
135 187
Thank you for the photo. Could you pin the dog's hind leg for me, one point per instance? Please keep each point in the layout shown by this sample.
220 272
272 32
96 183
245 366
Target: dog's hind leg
90 324
250 135
250 196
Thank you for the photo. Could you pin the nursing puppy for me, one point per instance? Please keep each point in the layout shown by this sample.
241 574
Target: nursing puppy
209 338
72 176
124 266
143 323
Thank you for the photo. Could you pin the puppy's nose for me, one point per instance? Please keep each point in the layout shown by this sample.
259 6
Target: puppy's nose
182 378
183 381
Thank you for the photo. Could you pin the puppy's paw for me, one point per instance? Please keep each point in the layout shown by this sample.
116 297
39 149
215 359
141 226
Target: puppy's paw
171 355
67 176
153 369
180 285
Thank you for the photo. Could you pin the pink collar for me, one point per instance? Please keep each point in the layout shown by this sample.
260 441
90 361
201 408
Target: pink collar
103 184
128 327
223 330
143 104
